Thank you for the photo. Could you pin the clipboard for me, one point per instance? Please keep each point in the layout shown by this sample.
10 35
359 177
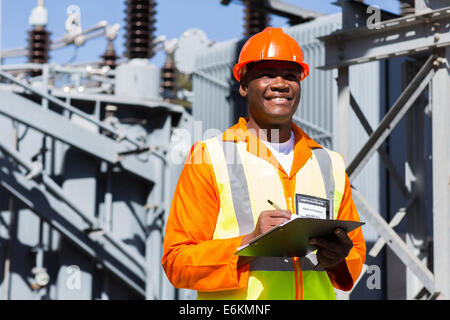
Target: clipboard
291 239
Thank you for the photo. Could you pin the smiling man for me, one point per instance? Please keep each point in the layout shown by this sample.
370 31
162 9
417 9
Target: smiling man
220 203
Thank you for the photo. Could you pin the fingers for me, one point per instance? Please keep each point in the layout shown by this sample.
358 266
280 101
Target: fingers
325 261
343 237
270 219
332 251
286 214
342 240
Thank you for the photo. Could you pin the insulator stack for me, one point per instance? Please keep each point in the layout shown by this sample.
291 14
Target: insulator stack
110 57
256 19
140 27
38 46
407 7
169 77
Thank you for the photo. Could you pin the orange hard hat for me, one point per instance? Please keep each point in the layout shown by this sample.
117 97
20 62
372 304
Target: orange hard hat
270 44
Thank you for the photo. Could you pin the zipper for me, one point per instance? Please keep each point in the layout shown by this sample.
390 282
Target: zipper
290 204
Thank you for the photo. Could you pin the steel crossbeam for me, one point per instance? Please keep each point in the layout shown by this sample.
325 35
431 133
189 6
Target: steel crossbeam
381 151
52 124
394 241
392 38
395 114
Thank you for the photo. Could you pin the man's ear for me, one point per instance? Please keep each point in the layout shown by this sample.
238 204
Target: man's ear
243 90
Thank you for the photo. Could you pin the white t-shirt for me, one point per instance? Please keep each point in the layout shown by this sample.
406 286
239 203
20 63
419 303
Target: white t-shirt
284 152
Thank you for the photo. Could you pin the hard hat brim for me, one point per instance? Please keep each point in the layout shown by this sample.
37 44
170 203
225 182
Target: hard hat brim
239 69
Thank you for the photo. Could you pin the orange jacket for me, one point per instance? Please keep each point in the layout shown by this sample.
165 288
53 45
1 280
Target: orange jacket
193 260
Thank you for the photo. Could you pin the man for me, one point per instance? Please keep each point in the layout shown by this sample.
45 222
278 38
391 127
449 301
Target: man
220 202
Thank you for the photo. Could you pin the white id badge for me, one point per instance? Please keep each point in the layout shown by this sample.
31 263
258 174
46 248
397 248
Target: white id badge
312 207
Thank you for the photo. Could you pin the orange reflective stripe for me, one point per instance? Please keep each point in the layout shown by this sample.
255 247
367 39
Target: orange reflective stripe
298 278
295 277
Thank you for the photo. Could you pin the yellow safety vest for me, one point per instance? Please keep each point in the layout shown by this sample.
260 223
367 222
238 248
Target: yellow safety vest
245 182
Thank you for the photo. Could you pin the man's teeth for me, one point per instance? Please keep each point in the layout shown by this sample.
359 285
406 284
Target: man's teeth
279 100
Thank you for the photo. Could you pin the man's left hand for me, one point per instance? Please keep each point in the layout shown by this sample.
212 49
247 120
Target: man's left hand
331 252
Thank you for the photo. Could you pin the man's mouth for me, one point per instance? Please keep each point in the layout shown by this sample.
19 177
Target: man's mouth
279 100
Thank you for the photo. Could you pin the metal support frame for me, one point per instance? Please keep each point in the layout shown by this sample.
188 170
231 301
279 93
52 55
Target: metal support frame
381 150
427 30
440 97
356 13
395 242
397 37
395 114
62 129
50 202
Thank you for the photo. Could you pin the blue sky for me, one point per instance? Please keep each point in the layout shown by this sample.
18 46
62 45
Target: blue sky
219 22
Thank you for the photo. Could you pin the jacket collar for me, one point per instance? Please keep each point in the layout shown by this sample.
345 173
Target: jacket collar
302 150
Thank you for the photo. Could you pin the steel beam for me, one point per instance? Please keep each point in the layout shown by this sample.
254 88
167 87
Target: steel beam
379 244
416 219
397 37
57 126
343 113
381 151
440 97
355 13
395 114
394 241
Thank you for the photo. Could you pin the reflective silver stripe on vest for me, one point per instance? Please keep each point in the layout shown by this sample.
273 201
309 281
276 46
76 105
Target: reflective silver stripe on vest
307 263
324 160
239 187
243 210
272 264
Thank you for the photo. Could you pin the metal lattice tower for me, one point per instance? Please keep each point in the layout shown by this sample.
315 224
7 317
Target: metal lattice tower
140 28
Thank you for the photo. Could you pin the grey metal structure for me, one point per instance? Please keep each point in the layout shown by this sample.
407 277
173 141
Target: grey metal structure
422 35
86 181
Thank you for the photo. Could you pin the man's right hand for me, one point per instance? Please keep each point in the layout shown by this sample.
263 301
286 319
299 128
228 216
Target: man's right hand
266 221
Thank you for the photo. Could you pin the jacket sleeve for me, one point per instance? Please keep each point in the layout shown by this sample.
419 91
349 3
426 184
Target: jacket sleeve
357 255
191 258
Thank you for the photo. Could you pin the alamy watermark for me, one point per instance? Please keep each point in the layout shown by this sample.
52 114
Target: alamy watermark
182 139
73 281
374 279
374 19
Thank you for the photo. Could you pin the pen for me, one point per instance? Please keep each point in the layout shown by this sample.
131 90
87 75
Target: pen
274 205
278 208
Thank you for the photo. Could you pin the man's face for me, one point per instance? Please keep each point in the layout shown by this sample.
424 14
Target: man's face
272 89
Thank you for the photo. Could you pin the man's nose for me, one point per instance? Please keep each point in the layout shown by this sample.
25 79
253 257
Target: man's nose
279 84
